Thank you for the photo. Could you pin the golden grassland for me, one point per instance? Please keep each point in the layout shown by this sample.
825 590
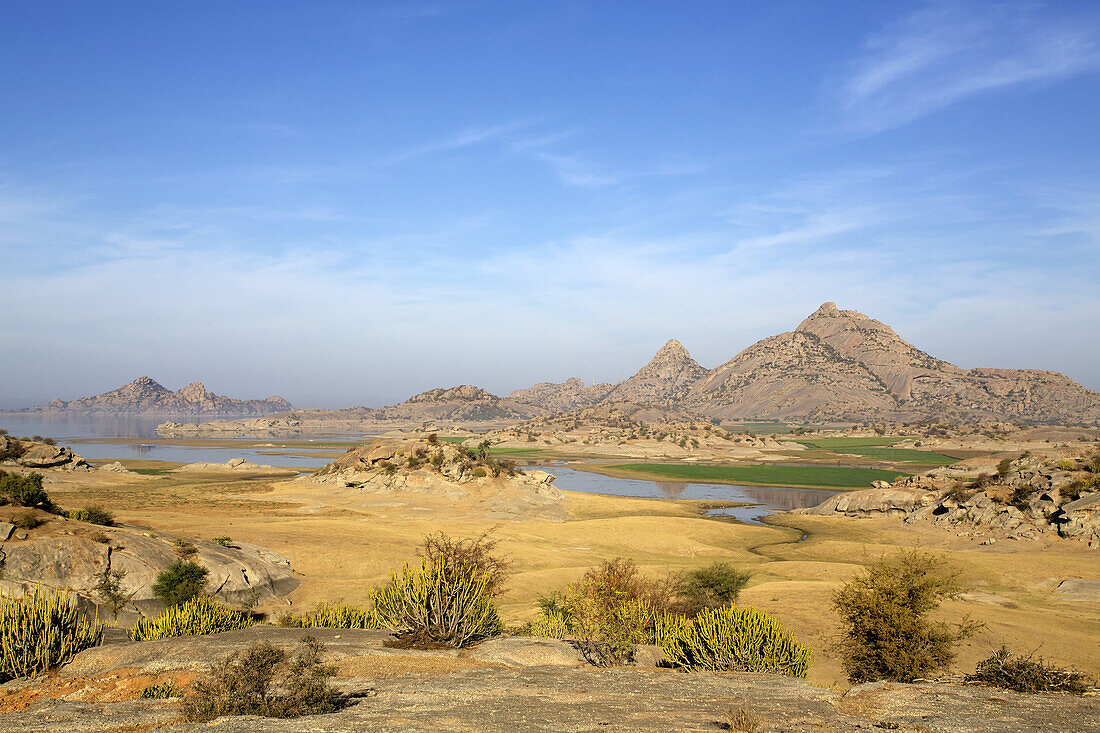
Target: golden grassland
342 542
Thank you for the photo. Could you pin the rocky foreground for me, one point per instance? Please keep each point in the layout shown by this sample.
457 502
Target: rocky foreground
510 684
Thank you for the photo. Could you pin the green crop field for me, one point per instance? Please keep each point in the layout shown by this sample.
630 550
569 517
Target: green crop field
825 476
835 444
873 448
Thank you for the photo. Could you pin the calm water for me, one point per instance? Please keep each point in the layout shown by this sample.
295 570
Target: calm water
764 499
74 431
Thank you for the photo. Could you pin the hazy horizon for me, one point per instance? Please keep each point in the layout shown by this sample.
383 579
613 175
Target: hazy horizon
348 204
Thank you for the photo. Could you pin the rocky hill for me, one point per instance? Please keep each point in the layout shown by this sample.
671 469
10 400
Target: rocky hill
837 366
460 404
572 394
665 380
146 396
445 475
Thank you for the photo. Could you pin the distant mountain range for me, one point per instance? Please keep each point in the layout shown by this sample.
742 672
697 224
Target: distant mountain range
145 396
837 366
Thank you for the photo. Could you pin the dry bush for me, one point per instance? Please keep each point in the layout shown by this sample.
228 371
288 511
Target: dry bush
884 610
613 608
1024 674
478 553
264 681
740 719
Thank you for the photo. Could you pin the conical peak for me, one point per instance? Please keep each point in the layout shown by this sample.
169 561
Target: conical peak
194 391
672 349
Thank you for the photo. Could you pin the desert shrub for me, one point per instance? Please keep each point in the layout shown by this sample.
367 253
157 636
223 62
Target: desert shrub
1066 465
743 721
42 630
161 691
28 520
92 515
1004 467
342 616
24 491
713 586
433 438
479 553
480 472
983 481
184 548
109 589
614 608
731 639
198 616
437 604
180 582
49 441
884 611
263 680
1023 674
222 540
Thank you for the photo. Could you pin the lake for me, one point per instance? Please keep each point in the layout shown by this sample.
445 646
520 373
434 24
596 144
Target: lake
764 500
90 436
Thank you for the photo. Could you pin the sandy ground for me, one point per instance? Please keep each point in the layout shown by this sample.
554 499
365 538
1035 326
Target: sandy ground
343 542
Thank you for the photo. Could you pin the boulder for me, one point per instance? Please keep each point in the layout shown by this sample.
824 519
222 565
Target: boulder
528 651
74 560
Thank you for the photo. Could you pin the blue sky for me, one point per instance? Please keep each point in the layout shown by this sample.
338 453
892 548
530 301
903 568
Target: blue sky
346 203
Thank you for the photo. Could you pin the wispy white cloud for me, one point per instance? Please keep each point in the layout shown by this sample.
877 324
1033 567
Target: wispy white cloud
947 52
465 138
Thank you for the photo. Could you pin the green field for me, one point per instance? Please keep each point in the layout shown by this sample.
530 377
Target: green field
873 448
833 477
453 439
838 444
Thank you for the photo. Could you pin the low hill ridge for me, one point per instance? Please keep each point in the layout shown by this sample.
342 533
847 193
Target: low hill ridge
146 396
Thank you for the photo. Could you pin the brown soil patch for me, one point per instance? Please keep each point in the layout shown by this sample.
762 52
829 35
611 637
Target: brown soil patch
122 684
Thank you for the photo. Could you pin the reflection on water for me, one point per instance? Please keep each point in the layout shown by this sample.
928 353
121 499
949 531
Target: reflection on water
763 499
671 489
72 430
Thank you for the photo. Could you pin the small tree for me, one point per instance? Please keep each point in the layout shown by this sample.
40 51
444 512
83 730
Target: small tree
109 588
713 586
179 582
884 613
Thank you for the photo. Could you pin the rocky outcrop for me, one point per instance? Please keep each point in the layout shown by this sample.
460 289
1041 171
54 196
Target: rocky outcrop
1034 495
238 465
31 454
444 471
145 396
63 553
572 394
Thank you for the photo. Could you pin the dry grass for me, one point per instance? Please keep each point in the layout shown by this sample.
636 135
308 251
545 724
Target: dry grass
343 541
